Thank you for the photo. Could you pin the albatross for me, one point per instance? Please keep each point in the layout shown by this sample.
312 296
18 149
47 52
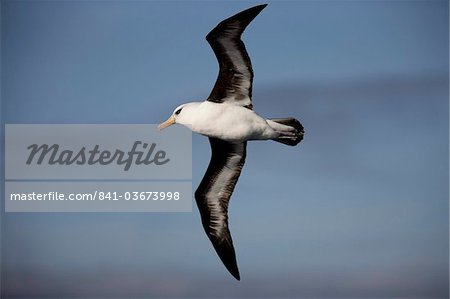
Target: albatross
227 118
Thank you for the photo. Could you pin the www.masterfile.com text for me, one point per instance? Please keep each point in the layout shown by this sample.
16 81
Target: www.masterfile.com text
97 195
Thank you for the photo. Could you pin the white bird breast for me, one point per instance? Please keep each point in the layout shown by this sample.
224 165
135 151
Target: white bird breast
229 122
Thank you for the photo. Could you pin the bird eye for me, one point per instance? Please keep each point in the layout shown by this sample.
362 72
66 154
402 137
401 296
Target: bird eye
178 111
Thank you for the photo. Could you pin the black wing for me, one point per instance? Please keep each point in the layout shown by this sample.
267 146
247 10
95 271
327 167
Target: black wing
213 194
234 82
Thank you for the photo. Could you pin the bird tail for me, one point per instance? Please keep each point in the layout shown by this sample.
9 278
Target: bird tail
290 129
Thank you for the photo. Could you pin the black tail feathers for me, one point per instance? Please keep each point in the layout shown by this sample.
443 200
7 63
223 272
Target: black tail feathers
289 136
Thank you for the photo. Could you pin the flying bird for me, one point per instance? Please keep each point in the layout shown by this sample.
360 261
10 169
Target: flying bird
228 119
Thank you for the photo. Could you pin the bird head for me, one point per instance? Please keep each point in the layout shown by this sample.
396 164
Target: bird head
181 115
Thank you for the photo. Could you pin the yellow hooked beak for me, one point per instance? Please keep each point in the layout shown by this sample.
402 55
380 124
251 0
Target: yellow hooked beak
170 121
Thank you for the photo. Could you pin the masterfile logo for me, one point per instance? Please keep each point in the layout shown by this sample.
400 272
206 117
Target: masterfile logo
97 168
97 152
54 155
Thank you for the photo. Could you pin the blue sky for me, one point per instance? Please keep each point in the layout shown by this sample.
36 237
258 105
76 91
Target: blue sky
359 208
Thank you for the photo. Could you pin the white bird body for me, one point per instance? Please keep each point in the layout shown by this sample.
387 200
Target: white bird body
227 122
